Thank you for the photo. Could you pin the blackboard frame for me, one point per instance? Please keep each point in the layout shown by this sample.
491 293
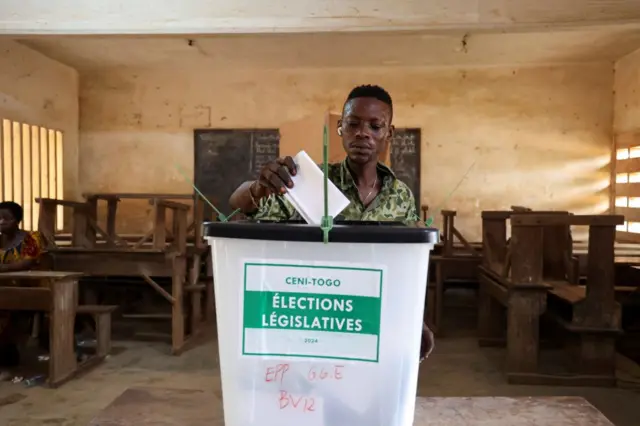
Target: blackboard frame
412 160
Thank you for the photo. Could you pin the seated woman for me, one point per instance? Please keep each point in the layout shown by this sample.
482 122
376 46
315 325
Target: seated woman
19 250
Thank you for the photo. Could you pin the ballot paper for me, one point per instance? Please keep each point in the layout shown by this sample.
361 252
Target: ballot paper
307 194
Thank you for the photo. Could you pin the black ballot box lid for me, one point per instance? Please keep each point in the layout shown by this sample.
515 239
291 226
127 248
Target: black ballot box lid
365 232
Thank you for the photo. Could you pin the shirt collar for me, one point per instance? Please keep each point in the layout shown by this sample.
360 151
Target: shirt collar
346 178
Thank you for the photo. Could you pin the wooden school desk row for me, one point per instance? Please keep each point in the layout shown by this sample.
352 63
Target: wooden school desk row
56 294
178 254
534 278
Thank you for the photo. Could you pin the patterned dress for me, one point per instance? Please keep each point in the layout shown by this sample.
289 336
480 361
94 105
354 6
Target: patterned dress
394 202
29 245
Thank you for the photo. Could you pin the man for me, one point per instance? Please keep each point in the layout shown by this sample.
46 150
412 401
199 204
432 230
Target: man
374 191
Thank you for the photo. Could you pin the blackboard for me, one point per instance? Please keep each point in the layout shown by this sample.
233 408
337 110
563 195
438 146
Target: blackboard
405 159
225 158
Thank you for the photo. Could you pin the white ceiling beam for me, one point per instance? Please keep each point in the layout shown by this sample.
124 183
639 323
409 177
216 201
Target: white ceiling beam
103 17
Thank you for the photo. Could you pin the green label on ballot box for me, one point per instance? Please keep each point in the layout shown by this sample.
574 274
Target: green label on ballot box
329 311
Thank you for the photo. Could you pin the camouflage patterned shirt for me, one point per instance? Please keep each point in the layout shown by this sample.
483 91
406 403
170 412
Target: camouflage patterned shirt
394 202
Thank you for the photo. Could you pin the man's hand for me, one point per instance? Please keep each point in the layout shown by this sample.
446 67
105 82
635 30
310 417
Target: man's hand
427 344
275 177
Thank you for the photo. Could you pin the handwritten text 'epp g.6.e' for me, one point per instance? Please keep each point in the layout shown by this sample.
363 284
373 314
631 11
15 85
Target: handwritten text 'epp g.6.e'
277 372
305 403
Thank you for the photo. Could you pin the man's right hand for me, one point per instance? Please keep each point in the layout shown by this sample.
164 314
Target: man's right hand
275 177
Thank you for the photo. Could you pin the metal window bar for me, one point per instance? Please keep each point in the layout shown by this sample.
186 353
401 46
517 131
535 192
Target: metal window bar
31 166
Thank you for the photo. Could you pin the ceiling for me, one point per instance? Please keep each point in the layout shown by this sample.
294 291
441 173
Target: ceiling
342 49
299 16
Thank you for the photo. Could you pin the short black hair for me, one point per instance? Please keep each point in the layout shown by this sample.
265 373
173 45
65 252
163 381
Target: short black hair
14 208
371 91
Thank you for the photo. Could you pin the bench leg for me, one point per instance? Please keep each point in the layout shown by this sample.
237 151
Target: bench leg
62 354
523 328
196 311
439 296
596 355
194 269
177 314
490 324
430 312
103 334
210 313
210 303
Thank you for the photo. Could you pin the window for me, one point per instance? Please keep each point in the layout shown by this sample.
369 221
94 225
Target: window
30 168
627 185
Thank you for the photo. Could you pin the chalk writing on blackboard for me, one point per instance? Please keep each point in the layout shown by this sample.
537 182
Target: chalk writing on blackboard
405 159
405 145
225 158
265 148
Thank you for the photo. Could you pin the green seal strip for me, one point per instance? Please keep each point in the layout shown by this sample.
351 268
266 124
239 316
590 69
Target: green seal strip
221 216
430 219
326 223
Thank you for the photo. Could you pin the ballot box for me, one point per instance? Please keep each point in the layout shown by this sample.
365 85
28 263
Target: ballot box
319 334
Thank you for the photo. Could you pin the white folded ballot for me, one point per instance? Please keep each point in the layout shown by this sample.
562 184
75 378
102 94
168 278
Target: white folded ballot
307 194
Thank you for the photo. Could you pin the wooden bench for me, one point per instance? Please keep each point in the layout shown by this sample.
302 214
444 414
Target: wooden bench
112 199
564 290
497 266
102 317
84 226
449 262
527 287
451 233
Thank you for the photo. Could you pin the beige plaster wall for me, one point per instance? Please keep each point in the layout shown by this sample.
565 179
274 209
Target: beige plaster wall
627 93
539 136
39 91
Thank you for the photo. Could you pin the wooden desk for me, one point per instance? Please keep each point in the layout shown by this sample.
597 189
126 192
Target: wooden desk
173 407
450 260
159 253
57 294
145 263
460 266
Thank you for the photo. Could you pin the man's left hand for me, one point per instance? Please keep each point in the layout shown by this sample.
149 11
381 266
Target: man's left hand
427 343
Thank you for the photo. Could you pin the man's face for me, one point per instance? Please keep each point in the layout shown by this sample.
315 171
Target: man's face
7 221
366 129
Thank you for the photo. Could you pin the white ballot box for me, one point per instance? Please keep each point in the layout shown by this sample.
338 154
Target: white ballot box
314 334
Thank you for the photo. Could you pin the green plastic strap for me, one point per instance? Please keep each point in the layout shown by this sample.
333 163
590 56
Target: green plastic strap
429 221
221 216
327 221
